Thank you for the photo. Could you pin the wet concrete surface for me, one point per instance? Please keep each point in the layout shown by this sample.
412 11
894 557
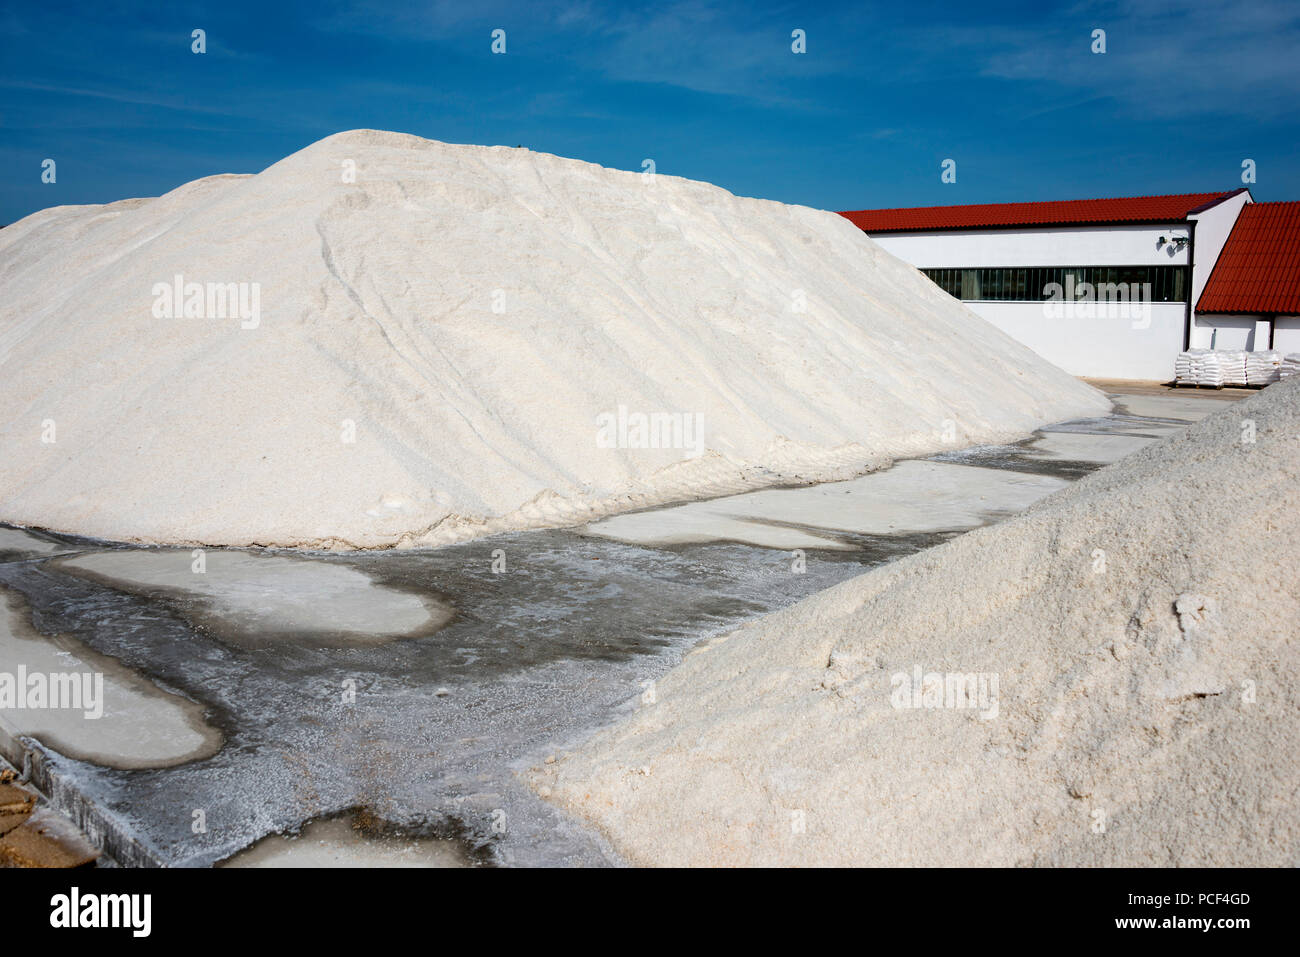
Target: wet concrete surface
911 498
426 733
1041 453
424 730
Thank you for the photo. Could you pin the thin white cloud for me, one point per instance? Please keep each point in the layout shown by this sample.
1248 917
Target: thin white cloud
1164 59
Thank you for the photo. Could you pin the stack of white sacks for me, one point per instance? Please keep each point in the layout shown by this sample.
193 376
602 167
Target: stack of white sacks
1234 369
1263 367
1219 368
1187 367
1199 367
1211 369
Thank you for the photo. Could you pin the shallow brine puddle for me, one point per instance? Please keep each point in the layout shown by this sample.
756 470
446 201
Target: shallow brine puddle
354 840
417 683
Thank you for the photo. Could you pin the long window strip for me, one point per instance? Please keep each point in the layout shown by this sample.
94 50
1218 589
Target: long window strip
1018 284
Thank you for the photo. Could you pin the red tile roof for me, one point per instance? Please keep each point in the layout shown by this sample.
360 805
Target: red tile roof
1129 209
1259 268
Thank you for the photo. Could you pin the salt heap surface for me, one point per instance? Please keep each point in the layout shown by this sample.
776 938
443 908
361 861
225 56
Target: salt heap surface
1139 698
426 346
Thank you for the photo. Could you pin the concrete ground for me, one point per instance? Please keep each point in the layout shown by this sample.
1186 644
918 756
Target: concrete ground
1145 387
1162 399
514 648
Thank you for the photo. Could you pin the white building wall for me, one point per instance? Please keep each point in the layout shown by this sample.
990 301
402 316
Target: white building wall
1245 332
1112 347
1212 229
1286 333
1228 332
1103 347
1082 246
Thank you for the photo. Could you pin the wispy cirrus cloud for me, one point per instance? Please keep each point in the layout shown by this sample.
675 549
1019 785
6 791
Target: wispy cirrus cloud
706 46
727 49
1162 58
711 88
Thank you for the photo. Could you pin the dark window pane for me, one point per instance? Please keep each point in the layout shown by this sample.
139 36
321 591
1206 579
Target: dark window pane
1029 283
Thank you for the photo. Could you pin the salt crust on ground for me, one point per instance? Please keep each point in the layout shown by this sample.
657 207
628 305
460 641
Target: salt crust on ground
1123 736
377 307
911 497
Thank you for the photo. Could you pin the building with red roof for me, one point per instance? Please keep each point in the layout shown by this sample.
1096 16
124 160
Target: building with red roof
1068 212
1115 287
1253 293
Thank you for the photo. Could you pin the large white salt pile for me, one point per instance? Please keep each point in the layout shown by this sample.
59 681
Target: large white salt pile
1135 641
429 334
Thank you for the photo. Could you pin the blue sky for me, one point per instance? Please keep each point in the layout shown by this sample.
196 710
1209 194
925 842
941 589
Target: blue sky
710 91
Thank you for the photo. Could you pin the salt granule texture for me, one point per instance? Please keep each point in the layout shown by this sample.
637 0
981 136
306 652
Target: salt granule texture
1143 628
